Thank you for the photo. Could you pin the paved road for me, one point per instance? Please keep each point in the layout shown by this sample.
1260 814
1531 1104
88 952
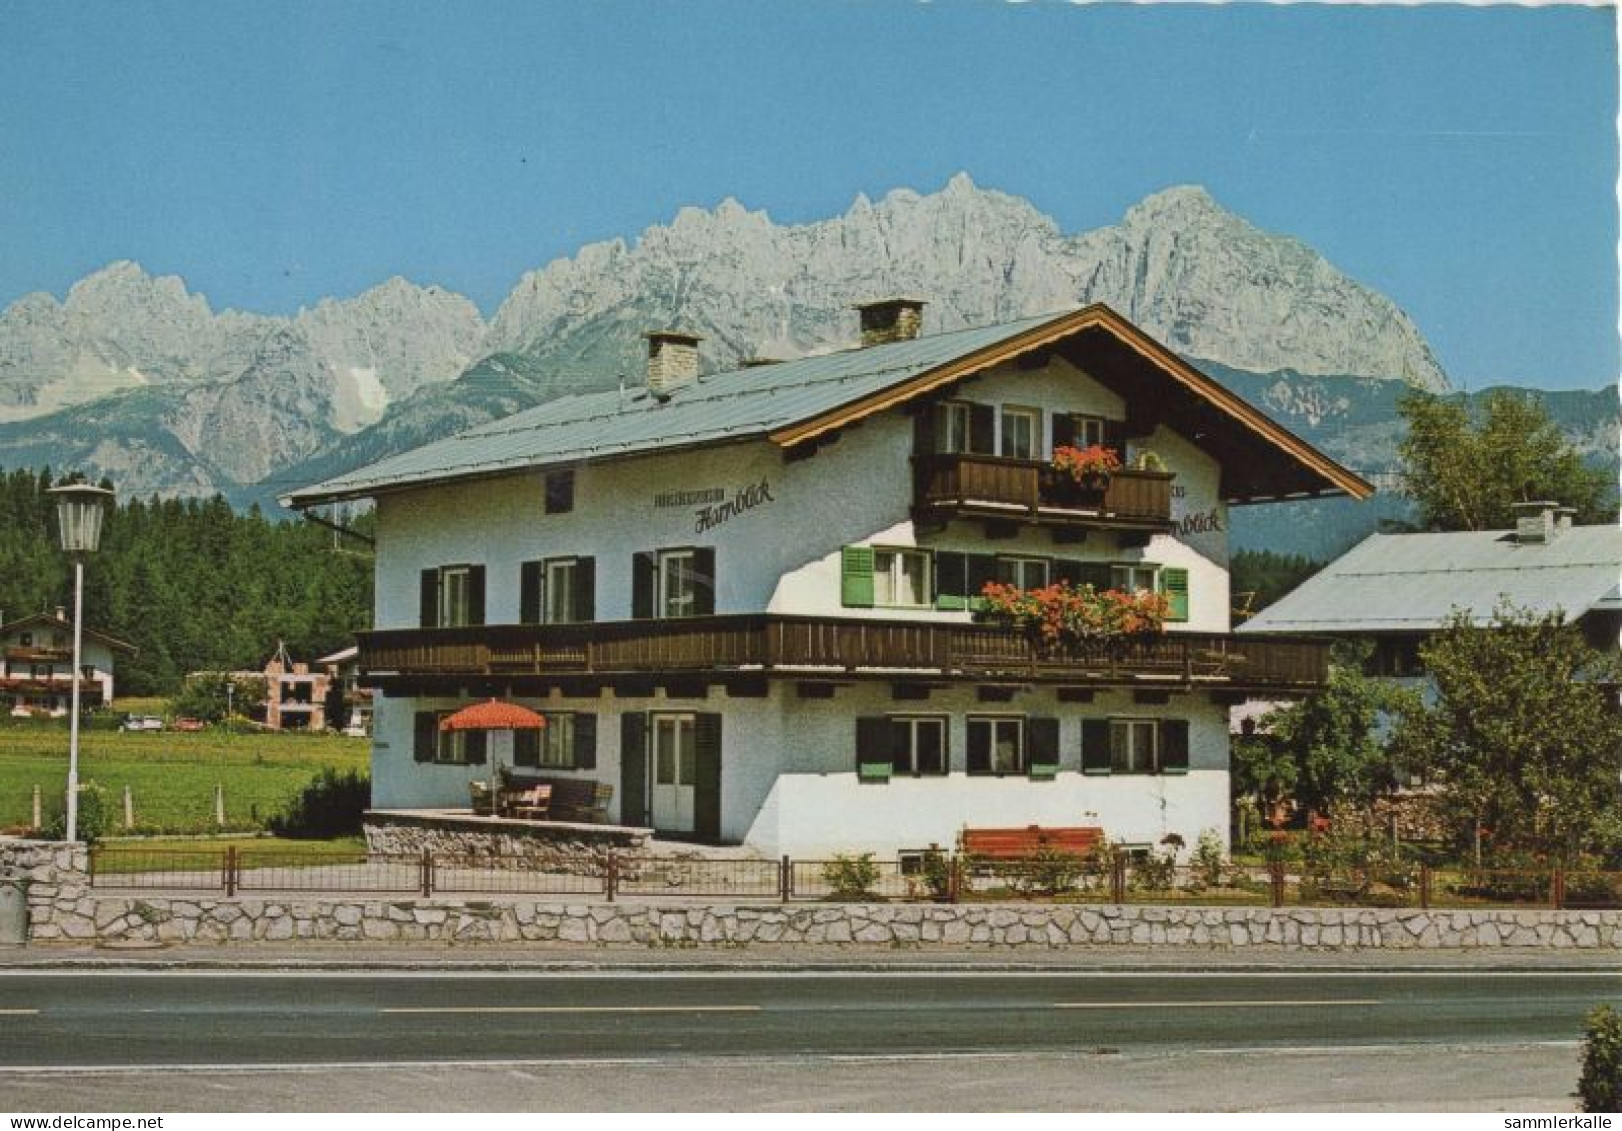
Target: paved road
897 1039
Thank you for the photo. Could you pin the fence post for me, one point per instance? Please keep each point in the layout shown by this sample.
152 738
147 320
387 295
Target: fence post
230 871
1557 888
427 873
785 878
129 809
1424 887
219 804
39 813
611 876
1117 879
954 879
1275 876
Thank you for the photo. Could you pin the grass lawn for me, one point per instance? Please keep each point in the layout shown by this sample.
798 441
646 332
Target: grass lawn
172 776
118 856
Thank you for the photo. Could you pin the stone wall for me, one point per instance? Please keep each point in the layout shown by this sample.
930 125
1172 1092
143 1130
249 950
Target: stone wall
56 879
556 846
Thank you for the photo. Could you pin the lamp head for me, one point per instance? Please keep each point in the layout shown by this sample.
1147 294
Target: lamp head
79 510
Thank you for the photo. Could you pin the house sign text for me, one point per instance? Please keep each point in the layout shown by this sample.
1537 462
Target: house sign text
746 499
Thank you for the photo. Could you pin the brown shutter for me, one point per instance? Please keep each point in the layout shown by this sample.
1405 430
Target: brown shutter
982 429
634 768
707 787
425 735
1095 752
704 581
428 616
1042 738
585 589
643 565
531 592
585 742
1174 746
526 748
1064 430
475 594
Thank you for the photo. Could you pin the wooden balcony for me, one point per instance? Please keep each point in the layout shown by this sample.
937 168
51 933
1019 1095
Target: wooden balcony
977 486
800 647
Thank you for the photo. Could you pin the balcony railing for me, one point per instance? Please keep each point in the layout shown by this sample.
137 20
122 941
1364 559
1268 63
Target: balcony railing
990 486
809 647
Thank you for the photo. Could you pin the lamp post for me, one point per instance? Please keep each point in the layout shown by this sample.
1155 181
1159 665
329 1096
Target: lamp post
79 510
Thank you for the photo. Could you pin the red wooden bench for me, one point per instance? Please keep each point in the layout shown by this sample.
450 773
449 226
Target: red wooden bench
1015 844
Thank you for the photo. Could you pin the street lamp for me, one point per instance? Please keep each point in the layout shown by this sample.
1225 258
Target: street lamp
79 509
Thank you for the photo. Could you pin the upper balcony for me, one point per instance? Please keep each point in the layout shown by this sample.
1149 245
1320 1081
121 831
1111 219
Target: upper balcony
827 648
993 487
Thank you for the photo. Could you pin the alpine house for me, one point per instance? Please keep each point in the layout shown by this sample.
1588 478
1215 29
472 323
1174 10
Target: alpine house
852 602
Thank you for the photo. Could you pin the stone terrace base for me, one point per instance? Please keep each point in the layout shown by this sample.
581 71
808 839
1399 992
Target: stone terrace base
123 921
557 846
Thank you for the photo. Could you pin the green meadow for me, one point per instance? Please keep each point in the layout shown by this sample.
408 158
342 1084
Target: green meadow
172 776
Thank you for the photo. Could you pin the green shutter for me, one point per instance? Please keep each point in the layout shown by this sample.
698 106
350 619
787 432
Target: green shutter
874 758
1174 746
1042 738
856 577
1174 584
1095 752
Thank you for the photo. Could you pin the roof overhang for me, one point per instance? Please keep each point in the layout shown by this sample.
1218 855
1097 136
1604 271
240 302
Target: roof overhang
1261 459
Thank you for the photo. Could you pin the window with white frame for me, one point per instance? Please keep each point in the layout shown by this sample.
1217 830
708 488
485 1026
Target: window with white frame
1134 746
1089 430
677 589
562 590
1131 578
952 424
996 744
918 744
901 578
1023 573
1020 429
455 596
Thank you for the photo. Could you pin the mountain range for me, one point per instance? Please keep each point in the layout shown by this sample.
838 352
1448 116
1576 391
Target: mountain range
138 378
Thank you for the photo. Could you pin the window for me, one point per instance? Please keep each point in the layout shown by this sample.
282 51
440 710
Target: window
673 583
918 745
1089 430
952 427
1133 746
430 744
996 745
1023 573
452 596
1076 430
1019 431
901 578
26 640
1131 578
559 492
567 742
1395 656
562 590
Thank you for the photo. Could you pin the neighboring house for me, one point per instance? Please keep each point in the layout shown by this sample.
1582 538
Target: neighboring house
1395 590
295 696
36 664
745 599
343 676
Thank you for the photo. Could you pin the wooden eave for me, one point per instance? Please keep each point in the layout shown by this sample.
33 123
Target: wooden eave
1324 475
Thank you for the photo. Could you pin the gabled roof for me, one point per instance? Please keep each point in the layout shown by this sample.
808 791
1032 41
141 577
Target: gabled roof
794 402
49 620
1414 582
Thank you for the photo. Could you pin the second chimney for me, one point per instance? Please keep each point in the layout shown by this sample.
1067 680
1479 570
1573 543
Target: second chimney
888 320
672 360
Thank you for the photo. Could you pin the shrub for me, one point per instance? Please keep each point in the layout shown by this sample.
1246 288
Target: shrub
1208 858
1600 1084
95 815
1048 871
851 877
333 804
937 873
1155 871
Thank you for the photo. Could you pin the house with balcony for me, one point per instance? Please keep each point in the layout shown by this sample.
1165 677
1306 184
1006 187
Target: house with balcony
36 664
754 601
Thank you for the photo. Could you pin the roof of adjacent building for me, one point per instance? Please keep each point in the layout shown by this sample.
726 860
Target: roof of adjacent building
1415 582
53 621
793 402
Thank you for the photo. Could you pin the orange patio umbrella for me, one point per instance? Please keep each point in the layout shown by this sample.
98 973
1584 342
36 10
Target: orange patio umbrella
493 715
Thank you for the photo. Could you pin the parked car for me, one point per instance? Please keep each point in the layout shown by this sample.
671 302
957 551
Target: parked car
141 722
355 730
21 712
189 724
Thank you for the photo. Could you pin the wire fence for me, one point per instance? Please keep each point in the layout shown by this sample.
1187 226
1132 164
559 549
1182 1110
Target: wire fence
927 877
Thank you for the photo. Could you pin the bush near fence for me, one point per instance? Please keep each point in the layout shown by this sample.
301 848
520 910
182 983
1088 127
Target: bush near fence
948 878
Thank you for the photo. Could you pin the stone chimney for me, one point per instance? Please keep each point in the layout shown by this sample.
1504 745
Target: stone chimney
1539 522
672 361
888 320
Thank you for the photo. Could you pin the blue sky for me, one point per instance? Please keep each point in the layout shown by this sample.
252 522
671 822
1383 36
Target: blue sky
1463 161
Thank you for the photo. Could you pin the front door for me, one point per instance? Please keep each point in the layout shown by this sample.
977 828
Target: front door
675 773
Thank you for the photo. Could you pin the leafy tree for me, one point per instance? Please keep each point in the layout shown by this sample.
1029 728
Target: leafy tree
204 695
1337 739
1264 770
1467 470
1521 736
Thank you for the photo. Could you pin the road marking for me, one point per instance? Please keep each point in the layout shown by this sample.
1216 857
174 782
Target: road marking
1213 1004
18 1012
295 972
571 1009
